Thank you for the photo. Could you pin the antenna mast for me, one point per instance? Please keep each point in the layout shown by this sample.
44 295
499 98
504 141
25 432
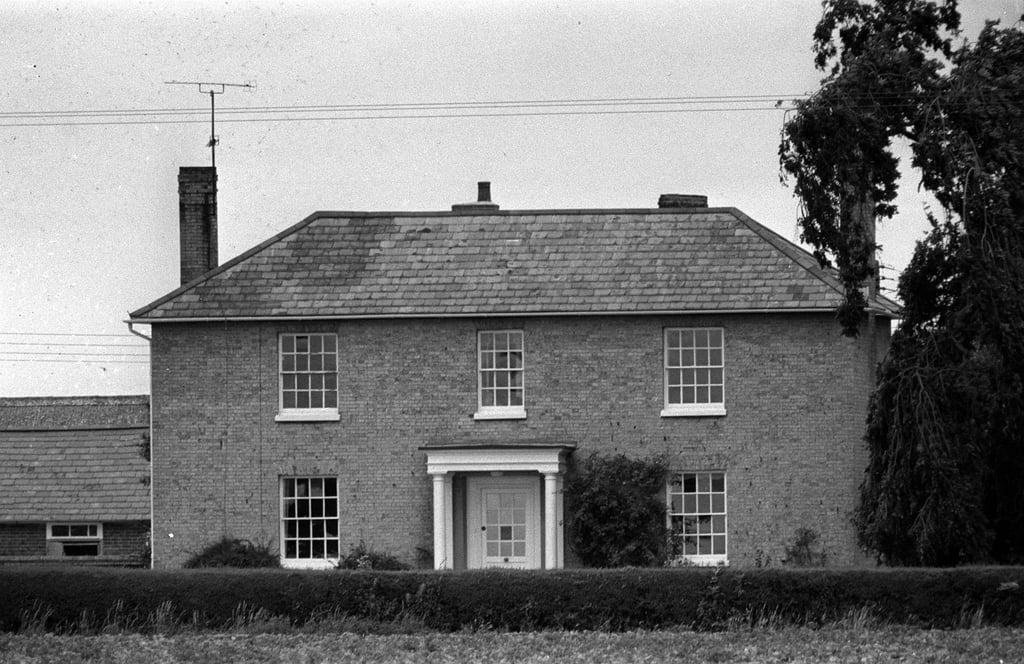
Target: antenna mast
207 87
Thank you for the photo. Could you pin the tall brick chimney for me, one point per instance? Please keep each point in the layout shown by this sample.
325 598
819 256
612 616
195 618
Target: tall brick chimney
197 214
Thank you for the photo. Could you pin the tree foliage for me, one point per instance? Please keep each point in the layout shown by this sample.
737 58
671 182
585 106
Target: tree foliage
946 422
616 510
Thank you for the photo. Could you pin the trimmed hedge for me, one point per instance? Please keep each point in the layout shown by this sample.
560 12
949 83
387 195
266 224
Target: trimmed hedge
620 599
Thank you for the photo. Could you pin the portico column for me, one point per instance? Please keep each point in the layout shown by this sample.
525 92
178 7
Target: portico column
551 539
443 545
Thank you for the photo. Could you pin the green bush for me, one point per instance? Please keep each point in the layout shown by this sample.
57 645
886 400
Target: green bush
616 510
234 553
361 557
104 599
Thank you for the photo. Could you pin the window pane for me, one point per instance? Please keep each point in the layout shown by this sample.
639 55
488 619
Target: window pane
689 483
500 398
301 344
718 503
516 397
674 395
486 341
487 397
700 338
486 360
719 545
673 358
715 358
703 482
717 482
686 338
715 338
316 344
689 504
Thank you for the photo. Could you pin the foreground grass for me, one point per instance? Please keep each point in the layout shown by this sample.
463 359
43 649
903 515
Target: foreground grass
893 644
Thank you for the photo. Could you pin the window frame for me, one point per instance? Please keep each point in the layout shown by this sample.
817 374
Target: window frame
681 409
306 414
698 559
63 541
74 538
325 562
507 412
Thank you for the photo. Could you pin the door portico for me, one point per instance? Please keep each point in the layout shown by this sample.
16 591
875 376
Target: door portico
513 506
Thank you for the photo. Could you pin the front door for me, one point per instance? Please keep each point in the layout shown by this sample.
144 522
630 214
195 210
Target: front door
503 522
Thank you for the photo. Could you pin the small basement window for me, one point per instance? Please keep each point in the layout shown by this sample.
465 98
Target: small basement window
74 539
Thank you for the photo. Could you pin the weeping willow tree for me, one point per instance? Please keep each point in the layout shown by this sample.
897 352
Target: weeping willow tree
945 481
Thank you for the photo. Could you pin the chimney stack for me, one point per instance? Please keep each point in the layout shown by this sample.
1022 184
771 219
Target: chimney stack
197 214
682 201
483 201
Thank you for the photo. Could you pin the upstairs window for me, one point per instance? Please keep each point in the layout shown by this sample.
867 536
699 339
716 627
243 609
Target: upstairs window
694 371
697 518
500 370
308 377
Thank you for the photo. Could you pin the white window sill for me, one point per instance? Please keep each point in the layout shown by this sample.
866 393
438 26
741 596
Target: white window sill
308 415
700 561
309 563
500 414
702 410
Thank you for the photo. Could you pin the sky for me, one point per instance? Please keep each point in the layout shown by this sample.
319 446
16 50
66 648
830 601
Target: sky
88 201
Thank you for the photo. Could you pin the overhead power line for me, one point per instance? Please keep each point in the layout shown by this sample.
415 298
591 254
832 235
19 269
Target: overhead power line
413 110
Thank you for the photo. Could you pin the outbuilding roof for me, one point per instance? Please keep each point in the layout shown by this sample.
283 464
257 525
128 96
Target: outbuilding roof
74 459
491 262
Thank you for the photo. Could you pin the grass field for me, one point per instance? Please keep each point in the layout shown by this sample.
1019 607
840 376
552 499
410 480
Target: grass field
890 644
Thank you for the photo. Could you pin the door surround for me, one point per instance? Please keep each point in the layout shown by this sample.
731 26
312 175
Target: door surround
546 459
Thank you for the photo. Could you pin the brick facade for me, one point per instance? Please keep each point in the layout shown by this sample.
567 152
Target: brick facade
796 394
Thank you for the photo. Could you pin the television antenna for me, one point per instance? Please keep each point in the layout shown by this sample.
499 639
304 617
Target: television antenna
213 89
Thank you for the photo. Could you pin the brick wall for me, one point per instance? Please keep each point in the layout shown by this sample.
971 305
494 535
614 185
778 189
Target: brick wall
796 394
127 538
23 539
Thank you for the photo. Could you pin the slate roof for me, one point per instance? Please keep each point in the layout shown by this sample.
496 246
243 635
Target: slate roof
539 262
77 458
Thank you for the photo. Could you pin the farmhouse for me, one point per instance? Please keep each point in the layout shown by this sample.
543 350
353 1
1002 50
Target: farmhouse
74 480
419 382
